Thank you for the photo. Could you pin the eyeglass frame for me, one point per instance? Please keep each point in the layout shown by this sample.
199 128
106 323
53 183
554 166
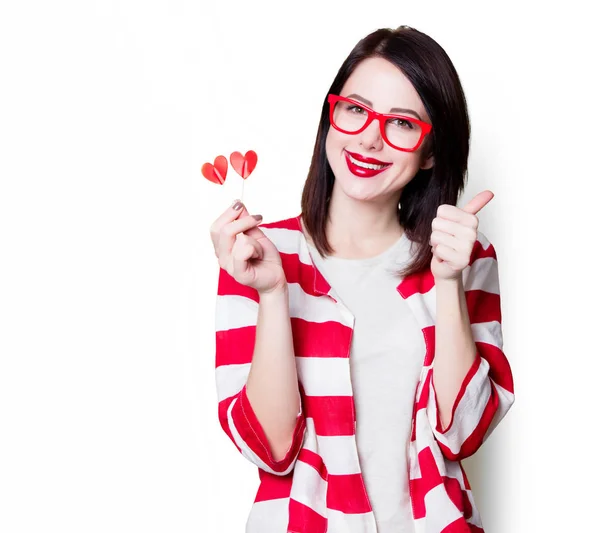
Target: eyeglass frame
426 128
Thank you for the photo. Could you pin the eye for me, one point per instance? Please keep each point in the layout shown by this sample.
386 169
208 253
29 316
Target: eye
354 109
402 123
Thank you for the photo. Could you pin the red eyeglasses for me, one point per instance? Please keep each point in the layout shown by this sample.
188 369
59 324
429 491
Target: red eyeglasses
399 131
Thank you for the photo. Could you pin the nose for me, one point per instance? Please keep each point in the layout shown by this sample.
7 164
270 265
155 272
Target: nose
371 138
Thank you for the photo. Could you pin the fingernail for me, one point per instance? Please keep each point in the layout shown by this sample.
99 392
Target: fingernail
257 217
238 205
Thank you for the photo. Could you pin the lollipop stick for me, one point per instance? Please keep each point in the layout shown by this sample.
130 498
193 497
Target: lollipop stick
243 180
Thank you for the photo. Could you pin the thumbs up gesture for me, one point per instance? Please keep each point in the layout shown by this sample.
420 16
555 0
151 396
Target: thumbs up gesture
454 232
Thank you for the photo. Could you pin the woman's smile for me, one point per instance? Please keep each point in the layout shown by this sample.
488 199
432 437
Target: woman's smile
363 169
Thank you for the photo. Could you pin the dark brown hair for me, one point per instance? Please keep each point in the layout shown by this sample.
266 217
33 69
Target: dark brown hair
427 66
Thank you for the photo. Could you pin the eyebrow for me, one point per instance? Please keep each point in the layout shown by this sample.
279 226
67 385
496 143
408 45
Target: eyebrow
393 110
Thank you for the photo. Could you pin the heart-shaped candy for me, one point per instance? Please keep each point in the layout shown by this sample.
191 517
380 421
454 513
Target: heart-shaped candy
244 165
217 172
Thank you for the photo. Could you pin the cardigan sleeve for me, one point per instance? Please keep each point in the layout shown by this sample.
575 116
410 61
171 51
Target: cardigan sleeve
235 323
487 391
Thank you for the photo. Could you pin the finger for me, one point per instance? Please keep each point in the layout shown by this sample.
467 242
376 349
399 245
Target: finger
454 228
478 202
244 240
228 215
244 249
227 235
449 255
456 214
254 232
441 237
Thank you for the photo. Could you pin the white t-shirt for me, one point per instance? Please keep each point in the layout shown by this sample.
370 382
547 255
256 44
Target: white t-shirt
386 358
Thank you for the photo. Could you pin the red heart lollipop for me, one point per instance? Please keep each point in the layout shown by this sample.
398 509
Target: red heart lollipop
244 165
216 173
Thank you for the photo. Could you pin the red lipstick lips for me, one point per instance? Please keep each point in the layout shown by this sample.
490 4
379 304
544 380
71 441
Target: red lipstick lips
362 172
367 159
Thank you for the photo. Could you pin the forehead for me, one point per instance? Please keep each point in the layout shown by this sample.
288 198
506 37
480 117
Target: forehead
384 84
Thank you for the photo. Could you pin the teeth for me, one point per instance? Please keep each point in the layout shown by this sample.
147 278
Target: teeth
366 165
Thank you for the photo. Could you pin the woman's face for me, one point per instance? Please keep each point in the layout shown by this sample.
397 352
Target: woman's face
381 86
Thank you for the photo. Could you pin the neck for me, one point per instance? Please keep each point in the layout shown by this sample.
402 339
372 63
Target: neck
359 228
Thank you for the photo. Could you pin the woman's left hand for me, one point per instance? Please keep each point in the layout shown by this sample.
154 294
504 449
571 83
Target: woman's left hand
454 232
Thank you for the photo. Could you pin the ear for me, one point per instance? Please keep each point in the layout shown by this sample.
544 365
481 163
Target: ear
427 162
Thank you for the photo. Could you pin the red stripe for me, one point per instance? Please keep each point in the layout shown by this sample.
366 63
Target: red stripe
311 339
303 519
474 529
332 415
298 272
458 496
234 346
428 467
228 286
347 493
288 223
483 306
461 526
305 274
317 283
320 339
419 282
421 486
499 370
314 460
478 252
429 336
273 486
430 479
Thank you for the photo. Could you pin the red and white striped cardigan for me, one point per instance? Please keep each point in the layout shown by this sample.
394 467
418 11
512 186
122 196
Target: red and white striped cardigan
318 487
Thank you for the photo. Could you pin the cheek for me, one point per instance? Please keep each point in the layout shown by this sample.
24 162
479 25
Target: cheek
406 160
328 150
334 140
334 143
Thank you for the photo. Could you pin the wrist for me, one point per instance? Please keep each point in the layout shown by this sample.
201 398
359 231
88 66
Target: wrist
449 283
278 291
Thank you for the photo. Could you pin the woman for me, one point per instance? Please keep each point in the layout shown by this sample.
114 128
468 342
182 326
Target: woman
358 345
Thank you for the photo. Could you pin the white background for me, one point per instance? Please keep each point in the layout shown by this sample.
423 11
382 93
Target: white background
108 413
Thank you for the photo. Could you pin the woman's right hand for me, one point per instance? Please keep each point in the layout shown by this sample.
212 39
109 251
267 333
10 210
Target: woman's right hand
245 252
